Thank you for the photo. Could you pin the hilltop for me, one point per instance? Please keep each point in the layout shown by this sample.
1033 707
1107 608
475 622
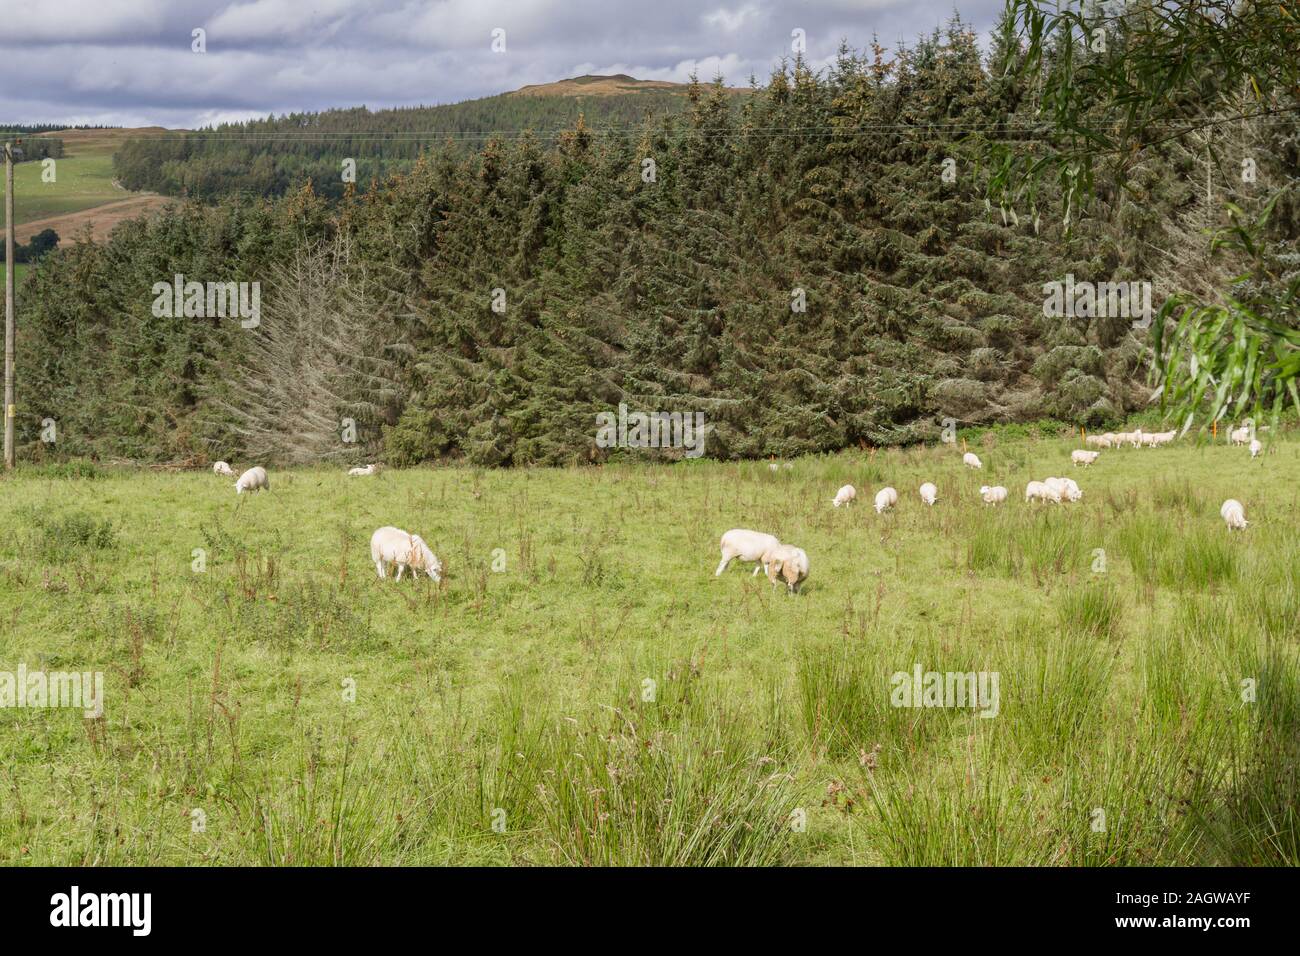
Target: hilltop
619 84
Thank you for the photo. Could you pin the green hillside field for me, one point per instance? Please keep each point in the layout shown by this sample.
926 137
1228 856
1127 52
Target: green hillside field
582 689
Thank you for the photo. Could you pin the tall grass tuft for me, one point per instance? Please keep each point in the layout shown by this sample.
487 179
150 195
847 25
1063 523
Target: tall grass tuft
1094 610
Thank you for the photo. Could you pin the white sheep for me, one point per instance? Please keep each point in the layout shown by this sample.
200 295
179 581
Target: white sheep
390 545
1255 447
1100 441
846 494
360 472
1234 515
1239 436
929 493
746 545
787 563
993 495
885 498
253 480
1136 438
1065 488
1041 491
223 469
971 460
1084 458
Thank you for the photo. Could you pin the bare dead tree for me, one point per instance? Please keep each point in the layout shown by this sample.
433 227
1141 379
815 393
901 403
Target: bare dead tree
315 364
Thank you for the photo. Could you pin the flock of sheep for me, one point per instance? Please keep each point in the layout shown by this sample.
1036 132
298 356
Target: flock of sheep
783 562
788 563
388 545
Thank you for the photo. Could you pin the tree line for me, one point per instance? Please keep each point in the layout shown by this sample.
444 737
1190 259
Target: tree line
813 268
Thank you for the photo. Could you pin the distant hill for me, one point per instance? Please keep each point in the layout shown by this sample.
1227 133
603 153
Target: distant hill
619 84
83 195
272 156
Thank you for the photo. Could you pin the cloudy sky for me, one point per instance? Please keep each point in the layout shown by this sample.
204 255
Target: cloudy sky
130 62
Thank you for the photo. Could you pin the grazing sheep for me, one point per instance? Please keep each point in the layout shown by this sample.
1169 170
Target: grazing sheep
971 460
746 545
929 493
1041 491
1164 438
1234 515
1255 447
844 495
1100 441
1239 436
787 563
367 470
223 469
885 498
253 480
1065 488
390 545
993 495
1084 458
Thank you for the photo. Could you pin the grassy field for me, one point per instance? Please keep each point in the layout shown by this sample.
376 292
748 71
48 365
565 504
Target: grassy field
20 270
591 694
84 180
82 188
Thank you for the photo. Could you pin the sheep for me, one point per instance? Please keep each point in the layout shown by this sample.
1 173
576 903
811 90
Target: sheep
253 480
929 493
971 460
1041 491
223 469
1255 447
787 563
746 545
1100 441
1234 515
359 472
1121 439
1065 488
885 498
389 545
993 495
846 494
1136 438
1239 436
1164 438
1084 458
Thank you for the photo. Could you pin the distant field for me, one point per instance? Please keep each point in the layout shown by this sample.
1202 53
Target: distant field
592 693
84 182
20 270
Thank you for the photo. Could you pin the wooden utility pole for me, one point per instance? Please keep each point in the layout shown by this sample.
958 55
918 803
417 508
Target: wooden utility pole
9 409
